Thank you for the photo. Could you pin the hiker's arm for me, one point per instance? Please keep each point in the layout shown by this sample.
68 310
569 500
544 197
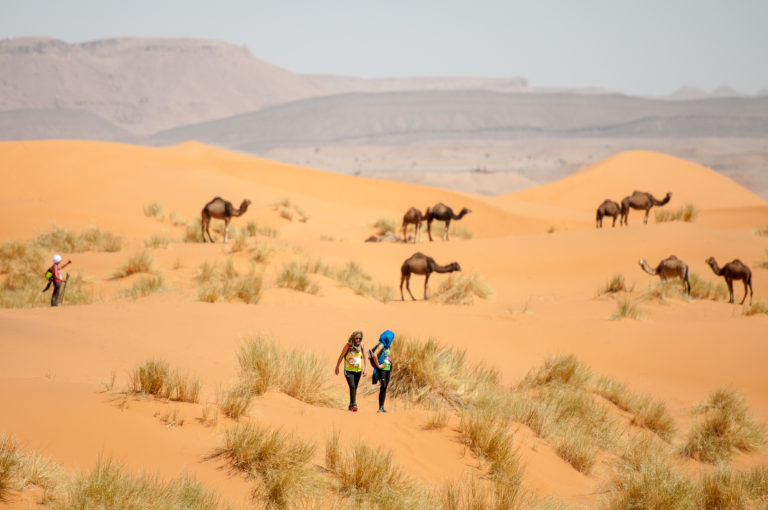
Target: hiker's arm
65 265
341 357
375 356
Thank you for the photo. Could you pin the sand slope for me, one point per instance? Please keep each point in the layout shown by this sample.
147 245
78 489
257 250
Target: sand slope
55 363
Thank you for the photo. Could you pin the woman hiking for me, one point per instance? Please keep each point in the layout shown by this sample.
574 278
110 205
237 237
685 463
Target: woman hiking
354 365
381 358
56 278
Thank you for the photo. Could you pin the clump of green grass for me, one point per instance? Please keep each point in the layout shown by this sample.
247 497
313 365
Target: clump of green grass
702 289
462 290
67 241
145 286
296 373
756 307
278 460
139 262
385 225
294 275
626 308
726 426
155 378
432 374
157 241
154 210
108 485
614 285
687 212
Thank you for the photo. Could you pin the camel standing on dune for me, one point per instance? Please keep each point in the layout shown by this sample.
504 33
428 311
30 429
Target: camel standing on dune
442 212
221 210
670 267
608 208
413 217
640 200
418 263
734 270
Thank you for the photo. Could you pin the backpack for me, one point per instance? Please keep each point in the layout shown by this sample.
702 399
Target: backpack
48 276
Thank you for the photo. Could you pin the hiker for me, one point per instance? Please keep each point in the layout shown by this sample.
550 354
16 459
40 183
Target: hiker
382 361
354 365
56 278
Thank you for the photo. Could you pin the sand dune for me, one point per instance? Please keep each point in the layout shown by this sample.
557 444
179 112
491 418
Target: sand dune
537 250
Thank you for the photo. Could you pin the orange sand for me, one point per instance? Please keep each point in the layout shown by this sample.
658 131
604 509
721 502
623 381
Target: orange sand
53 361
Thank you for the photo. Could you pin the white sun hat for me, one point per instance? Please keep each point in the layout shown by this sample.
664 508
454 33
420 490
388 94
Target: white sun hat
57 258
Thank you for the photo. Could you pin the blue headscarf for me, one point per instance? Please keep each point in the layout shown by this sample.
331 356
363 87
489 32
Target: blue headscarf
386 338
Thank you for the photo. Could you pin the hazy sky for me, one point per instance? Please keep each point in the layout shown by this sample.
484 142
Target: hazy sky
637 47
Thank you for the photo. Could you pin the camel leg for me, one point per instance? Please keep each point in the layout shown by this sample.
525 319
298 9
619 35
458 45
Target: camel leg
207 229
408 287
745 294
402 279
429 229
645 219
614 222
417 238
426 279
729 282
226 230
447 225
202 227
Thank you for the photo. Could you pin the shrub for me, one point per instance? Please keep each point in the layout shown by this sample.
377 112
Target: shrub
756 307
687 212
9 464
385 225
646 412
457 231
614 285
67 241
155 378
235 401
145 286
462 290
223 283
626 308
368 471
488 436
157 241
726 426
154 209
702 289
109 486
654 486
139 262
762 231
294 276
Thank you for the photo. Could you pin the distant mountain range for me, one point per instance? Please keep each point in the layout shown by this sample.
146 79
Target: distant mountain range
168 90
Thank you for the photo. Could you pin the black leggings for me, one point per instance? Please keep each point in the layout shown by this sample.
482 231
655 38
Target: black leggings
384 382
353 378
55 296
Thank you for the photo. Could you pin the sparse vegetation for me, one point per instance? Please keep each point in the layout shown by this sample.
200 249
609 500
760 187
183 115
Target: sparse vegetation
757 307
462 290
155 378
145 286
384 225
67 241
154 210
649 414
614 285
626 308
295 276
223 282
457 231
287 210
687 212
762 231
726 425
702 289
9 464
139 262
157 241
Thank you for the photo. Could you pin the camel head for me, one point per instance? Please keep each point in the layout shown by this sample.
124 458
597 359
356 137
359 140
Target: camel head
464 211
711 261
244 205
454 266
642 262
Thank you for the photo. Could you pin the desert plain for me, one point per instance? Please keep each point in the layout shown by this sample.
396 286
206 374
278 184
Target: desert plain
65 372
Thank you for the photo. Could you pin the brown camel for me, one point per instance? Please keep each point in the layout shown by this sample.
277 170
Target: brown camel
608 208
734 270
670 267
418 263
640 200
413 217
221 210
442 212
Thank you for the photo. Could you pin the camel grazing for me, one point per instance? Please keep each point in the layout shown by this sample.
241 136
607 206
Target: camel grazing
734 270
670 267
413 217
221 210
640 200
608 208
418 263
442 212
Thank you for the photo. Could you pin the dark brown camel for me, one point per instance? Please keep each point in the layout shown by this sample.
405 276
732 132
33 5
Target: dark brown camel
608 208
413 217
734 270
442 212
418 263
640 200
670 267
221 210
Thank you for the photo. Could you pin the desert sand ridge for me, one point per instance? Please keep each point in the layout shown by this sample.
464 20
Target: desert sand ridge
545 301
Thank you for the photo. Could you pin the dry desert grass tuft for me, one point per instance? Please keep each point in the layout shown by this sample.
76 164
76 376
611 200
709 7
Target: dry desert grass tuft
687 212
462 290
139 262
757 307
155 378
223 282
614 285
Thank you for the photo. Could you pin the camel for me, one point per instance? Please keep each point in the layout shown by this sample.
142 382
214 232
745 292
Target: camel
608 208
442 212
640 200
413 216
418 263
670 267
221 210
734 270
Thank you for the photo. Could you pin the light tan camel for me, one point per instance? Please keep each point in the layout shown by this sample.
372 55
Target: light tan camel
413 217
418 263
640 200
670 267
442 212
221 210
608 208
734 270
